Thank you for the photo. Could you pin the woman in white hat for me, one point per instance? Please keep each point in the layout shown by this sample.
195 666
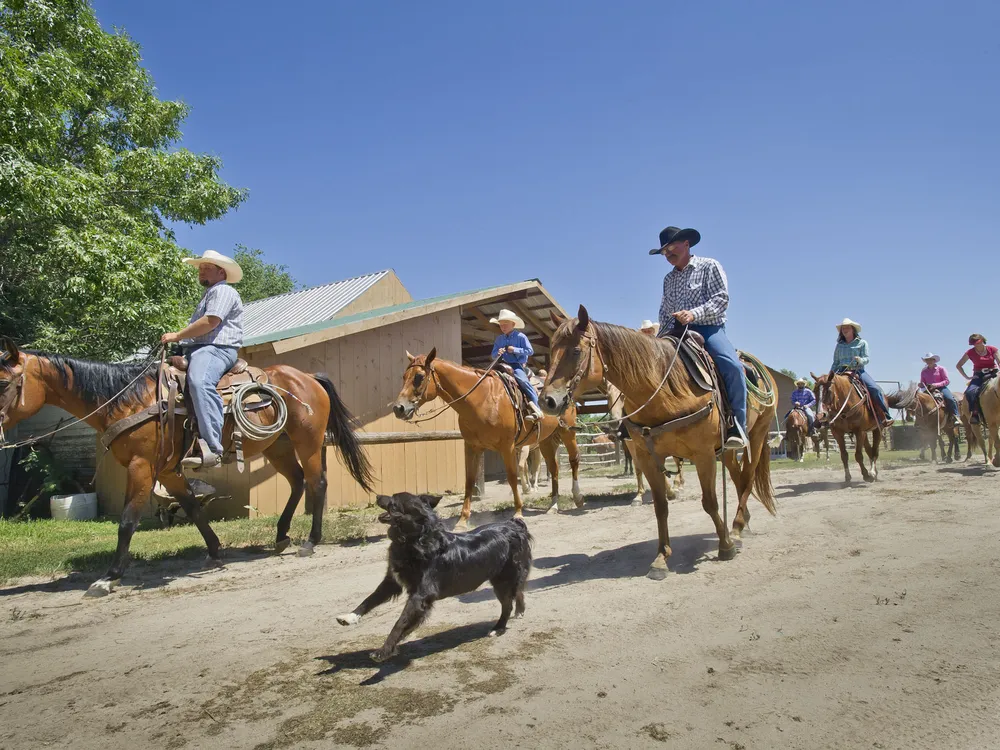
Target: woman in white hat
649 328
935 378
211 343
851 354
513 347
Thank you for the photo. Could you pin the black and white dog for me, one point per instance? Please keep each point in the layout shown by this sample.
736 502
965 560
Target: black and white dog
431 563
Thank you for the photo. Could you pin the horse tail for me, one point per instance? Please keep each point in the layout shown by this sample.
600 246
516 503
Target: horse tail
762 480
340 426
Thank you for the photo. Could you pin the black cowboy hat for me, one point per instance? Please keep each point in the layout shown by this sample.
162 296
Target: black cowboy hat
673 234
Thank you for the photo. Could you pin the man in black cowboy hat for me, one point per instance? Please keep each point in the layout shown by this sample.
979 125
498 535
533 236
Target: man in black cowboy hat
696 295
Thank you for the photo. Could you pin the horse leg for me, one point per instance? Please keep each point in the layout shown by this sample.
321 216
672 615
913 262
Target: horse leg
573 453
549 448
860 445
281 455
640 489
840 437
657 485
178 487
472 458
679 463
522 468
314 468
873 451
510 464
706 467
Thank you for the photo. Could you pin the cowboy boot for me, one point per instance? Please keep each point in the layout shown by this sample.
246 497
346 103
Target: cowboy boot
534 412
207 460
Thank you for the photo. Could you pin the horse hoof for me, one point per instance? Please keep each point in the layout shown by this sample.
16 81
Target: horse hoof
462 525
349 619
727 553
656 573
869 479
495 632
307 549
736 534
578 501
553 509
637 501
101 588
281 545
213 562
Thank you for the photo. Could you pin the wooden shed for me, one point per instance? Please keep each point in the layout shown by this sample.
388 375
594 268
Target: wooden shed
358 331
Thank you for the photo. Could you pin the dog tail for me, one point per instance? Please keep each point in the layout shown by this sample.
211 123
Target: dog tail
524 542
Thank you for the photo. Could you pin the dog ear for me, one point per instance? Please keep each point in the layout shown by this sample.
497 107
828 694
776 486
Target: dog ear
431 500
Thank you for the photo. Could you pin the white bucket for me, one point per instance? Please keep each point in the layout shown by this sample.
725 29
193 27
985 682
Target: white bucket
81 507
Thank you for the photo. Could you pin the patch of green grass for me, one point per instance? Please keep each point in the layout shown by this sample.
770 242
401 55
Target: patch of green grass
48 547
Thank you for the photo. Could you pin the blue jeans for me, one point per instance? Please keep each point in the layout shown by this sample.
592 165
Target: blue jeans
874 391
949 400
206 366
522 380
730 369
972 393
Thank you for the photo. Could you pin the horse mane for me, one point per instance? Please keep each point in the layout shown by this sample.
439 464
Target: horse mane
903 399
99 383
640 359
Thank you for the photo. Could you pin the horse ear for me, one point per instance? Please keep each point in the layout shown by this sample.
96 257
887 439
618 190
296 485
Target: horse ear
813 376
410 357
8 349
430 357
583 318
556 318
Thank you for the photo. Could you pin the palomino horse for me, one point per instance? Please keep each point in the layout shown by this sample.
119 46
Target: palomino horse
931 419
487 420
989 403
797 435
845 407
102 394
682 418
973 432
617 410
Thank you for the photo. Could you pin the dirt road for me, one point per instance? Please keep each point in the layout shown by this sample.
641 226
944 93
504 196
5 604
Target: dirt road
866 617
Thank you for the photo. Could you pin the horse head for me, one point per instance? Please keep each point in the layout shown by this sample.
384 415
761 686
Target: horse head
574 366
419 385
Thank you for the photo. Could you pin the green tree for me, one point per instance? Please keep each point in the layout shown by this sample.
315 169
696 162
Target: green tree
261 279
789 373
90 179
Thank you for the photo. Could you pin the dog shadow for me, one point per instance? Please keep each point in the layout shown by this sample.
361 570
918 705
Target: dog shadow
360 662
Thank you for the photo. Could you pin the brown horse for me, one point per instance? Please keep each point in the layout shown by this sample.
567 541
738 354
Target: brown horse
487 421
932 420
102 394
989 404
682 417
845 407
797 435
973 432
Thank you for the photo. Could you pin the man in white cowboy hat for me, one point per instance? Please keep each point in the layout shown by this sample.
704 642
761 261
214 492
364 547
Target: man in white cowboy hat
851 354
696 295
649 328
934 378
803 398
211 343
513 347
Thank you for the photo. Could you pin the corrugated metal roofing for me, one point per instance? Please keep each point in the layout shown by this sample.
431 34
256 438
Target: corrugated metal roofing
266 318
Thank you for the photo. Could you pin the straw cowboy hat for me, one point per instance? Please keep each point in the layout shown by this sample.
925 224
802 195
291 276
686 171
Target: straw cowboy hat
675 234
647 324
800 381
508 315
933 358
848 322
233 271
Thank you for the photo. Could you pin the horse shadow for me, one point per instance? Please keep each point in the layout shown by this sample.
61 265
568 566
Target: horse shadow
794 490
409 651
969 470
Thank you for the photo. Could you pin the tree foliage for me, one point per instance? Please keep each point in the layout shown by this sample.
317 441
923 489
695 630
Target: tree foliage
261 279
90 179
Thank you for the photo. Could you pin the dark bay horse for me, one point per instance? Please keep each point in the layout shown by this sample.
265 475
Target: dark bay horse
584 353
102 394
846 408
487 421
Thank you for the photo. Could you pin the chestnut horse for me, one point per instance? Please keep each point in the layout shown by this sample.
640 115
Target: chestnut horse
487 421
845 409
682 417
989 404
932 422
102 394
797 435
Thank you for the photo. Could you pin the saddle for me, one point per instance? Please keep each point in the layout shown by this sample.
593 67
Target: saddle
239 374
514 393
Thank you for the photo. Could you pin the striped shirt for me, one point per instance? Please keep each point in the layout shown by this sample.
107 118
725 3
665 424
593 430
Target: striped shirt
522 348
224 302
803 396
701 287
844 354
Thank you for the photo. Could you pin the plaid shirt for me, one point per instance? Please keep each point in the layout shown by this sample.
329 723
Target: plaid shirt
803 396
224 302
844 354
700 287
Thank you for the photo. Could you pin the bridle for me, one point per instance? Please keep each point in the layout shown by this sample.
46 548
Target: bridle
7 401
847 399
433 374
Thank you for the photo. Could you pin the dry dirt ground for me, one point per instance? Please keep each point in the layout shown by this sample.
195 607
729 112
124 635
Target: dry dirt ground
865 617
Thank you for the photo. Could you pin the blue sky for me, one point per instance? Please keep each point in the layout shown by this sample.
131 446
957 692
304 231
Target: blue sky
839 159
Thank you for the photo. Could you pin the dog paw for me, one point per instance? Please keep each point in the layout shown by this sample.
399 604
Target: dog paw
349 619
495 632
381 655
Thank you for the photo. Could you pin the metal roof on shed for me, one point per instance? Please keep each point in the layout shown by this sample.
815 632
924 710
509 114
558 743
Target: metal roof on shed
265 319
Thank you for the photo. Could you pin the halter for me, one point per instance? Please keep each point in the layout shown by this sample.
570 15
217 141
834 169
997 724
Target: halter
465 395
18 394
847 398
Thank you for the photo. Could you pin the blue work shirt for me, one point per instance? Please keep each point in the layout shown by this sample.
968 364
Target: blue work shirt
522 348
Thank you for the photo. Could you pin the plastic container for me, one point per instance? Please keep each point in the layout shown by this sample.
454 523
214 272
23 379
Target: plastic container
82 507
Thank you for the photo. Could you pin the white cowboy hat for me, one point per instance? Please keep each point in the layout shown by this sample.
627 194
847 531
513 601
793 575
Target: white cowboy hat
647 324
928 356
801 381
505 314
848 322
233 271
